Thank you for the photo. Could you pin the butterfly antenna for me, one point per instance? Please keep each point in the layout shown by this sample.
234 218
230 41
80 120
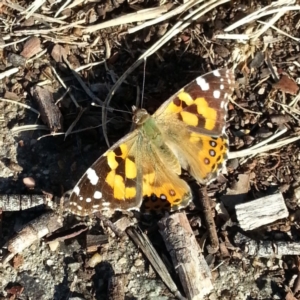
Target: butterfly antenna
144 76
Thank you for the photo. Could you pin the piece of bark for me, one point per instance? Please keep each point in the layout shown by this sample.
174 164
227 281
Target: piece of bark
266 248
144 244
116 287
262 211
50 113
93 242
34 230
193 271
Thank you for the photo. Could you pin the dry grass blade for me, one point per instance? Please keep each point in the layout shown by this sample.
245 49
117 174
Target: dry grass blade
48 31
281 31
262 147
20 104
142 15
281 5
75 122
18 129
39 17
9 72
33 7
14 43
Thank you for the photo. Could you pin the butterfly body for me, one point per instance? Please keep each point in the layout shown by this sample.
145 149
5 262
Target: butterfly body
186 132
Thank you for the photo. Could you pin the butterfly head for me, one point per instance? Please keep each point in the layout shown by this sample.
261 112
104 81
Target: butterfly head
140 116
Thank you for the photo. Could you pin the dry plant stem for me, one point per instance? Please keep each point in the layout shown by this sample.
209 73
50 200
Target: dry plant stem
32 8
186 255
176 11
209 220
281 31
18 129
256 148
8 73
116 287
83 85
268 10
254 36
260 149
63 84
141 15
62 7
178 27
48 31
14 43
143 243
20 104
40 17
82 110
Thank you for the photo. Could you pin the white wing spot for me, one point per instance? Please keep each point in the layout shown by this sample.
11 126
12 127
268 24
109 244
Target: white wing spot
88 200
76 190
105 204
216 73
96 206
222 86
217 94
202 83
81 198
92 176
79 207
97 195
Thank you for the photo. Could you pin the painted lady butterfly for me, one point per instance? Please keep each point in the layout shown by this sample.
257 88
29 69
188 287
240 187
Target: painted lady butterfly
186 132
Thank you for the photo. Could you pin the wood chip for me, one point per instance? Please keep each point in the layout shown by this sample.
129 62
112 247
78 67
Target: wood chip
50 113
262 211
31 47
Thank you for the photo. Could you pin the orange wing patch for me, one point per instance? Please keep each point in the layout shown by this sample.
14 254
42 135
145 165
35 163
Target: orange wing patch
123 172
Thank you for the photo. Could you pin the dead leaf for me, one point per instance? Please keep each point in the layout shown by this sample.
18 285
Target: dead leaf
287 85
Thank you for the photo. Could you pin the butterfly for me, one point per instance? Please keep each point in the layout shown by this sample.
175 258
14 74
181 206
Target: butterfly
186 132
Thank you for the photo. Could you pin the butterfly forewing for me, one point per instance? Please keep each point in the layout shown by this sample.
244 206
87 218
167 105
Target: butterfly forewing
111 183
193 124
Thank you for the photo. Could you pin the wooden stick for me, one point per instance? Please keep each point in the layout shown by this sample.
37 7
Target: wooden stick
186 255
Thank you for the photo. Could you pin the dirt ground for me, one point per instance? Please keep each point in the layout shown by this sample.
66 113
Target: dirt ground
42 46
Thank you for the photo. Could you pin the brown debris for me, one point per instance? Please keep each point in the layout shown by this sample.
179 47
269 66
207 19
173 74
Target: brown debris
50 113
209 221
287 85
116 287
31 47
59 53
